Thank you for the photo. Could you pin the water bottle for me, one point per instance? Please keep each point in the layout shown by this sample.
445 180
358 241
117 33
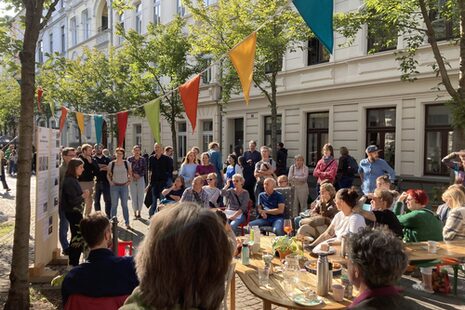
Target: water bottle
322 270
245 254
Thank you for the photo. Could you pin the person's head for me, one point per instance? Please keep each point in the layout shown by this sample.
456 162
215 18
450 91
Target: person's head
169 150
119 153
265 151
196 151
416 199
241 161
232 159
346 200
86 149
327 150
454 196
98 149
11 146
283 181
252 145
68 153
136 150
167 264
96 230
190 158
179 182
269 185
213 146
372 152
376 258
197 184
299 161
205 158
158 148
238 181
462 156
211 179
75 167
327 192
280 145
383 182
382 199
343 151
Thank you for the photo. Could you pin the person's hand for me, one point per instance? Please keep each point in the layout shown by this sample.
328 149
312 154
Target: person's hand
136 176
403 196
263 214
147 189
228 182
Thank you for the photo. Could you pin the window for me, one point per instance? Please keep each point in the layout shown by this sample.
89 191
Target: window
41 51
444 29
381 131
104 19
268 130
139 18
157 12
180 9
207 2
381 38
207 75
63 39
207 133
50 43
85 24
239 132
317 136
182 140
88 129
137 134
73 29
438 138
317 54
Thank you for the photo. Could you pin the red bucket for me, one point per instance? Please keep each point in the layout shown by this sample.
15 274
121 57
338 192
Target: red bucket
122 245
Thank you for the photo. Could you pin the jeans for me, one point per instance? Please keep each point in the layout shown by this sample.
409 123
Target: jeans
157 187
12 168
238 221
63 229
119 191
2 177
102 188
275 222
137 194
75 249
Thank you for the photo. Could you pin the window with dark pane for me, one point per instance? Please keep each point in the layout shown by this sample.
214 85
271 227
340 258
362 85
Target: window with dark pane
381 131
317 135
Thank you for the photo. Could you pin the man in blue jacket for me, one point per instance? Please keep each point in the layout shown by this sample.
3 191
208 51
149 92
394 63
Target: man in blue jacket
215 160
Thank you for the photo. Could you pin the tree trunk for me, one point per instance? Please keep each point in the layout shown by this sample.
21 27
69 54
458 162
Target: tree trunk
274 116
18 295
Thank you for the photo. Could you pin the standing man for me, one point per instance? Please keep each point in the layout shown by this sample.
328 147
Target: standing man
215 160
265 168
281 161
86 180
371 168
251 158
67 154
160 171
102 186
2 170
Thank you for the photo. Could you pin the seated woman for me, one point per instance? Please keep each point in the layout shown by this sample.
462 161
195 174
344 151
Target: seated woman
420 223
376 263
174 193
212 191
205 167
454 228
237 199
317 219
380 214
344 222
167 264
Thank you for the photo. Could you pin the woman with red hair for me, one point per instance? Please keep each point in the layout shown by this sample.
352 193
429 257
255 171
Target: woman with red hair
419 222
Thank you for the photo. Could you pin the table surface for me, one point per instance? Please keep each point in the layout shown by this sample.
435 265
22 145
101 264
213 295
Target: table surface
419 250
274 293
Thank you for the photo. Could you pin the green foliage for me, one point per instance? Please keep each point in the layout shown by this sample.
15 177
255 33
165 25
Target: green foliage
10 98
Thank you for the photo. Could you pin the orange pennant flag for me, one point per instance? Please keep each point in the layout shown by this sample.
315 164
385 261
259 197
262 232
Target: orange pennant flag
80 121
189 92
243 58
64 113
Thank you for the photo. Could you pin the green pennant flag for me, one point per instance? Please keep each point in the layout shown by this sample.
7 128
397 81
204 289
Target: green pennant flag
152 112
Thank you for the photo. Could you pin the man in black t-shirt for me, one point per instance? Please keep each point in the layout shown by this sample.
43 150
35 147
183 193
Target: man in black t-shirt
86 180
160 171
102 187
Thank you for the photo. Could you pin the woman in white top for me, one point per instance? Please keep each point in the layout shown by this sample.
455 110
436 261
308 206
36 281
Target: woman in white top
454 228
345 221
298 175
213 192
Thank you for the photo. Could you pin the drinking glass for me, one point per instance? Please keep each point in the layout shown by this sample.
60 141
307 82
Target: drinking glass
287 226
263 276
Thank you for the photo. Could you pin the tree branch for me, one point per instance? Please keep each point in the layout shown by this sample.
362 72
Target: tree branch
49 14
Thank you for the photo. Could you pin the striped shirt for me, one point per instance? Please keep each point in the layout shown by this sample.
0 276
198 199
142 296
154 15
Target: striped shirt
455 225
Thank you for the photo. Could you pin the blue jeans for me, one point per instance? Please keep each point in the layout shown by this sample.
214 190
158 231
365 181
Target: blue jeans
119 191
238 221
275 222
297 220
137 194
63 229
102 188
157 187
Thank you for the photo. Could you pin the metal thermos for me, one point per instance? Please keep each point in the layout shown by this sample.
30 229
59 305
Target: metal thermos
344 244
330 277
322 271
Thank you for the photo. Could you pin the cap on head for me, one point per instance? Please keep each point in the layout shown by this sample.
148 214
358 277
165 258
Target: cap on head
372 149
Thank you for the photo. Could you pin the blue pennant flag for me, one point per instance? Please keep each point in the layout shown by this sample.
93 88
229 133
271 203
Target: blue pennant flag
318 14
98 119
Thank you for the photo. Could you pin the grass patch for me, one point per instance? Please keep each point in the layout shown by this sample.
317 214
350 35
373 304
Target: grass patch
6 228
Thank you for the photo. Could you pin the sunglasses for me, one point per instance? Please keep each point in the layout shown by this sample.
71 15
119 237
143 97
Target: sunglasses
210 179
235 181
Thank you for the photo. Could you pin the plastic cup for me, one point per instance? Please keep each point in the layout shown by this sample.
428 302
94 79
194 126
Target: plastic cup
338 292
432 247
263 277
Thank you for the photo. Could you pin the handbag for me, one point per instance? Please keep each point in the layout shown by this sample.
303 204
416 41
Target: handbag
148 197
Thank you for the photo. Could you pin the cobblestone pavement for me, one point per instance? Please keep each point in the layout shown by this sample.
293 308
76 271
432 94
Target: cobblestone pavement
49 298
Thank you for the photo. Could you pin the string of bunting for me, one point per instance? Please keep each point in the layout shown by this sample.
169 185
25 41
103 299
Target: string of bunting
318 15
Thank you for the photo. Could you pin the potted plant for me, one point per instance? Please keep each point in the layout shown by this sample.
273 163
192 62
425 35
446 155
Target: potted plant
285 245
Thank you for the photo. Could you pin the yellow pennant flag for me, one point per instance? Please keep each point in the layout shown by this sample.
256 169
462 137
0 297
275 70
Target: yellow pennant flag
243 58
52 108
80 121
152 112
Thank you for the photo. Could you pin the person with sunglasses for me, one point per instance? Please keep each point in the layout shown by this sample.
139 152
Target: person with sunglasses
237 200
213 192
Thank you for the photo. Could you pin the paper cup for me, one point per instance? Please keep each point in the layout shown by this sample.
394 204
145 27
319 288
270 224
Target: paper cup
338 292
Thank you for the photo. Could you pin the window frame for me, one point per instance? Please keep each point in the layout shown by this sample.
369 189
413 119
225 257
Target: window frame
182 140
63 39
320 55
208 134
74 33
85 21
382 131
157 8
319 141
267 132
138 19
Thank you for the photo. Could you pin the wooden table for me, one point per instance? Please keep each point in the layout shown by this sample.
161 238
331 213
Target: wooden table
274 293
419 250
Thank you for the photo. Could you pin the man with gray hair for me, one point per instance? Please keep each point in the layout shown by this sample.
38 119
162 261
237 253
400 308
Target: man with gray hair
265 168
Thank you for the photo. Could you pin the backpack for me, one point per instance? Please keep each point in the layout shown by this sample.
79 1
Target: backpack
352 168
113 166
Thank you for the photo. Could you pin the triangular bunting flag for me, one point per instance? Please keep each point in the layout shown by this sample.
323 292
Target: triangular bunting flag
40 91
189 92
122 121
64 113
52 108
152 112
98 119
80 122
243 58
318 14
